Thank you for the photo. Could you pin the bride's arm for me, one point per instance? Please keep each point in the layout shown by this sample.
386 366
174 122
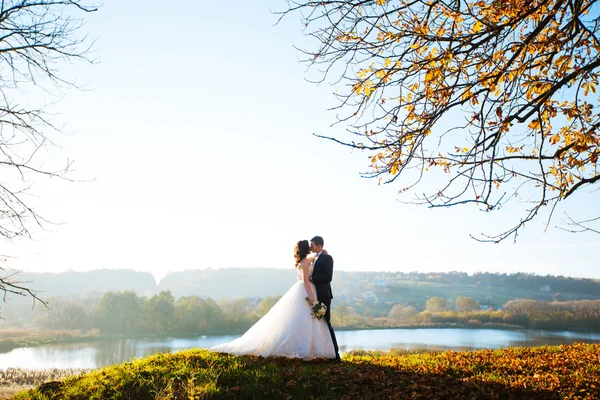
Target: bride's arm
306 274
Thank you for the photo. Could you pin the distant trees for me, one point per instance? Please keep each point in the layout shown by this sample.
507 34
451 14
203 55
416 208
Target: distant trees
465 304
126 313
69 313
266 304
542 314
403 302
194 314
525 307
120 312
519 280
401 313
236 313
160 312
437 304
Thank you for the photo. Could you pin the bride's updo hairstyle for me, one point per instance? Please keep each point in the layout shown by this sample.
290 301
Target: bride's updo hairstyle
301 250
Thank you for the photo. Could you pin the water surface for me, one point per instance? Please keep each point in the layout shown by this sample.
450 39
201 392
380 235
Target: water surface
107 352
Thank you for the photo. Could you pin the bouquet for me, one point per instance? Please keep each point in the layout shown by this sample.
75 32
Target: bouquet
318 310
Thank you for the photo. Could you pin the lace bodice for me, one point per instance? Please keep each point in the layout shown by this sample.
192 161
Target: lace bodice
300 272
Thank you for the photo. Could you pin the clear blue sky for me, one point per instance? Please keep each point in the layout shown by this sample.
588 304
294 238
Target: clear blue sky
196 130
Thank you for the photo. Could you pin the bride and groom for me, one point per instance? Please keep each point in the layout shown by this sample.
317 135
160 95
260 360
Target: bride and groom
289 329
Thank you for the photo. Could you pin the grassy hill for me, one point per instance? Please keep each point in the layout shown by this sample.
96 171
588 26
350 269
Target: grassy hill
415 292
517 373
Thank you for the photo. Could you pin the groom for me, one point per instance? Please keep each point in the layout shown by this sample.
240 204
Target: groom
321 277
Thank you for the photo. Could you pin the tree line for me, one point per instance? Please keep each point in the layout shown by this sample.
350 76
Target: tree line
466 312
127 313
519 280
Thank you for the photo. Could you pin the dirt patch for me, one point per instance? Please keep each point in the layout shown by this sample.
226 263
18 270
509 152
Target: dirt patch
6 392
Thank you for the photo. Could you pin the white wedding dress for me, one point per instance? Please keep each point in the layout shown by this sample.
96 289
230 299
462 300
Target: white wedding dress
287 330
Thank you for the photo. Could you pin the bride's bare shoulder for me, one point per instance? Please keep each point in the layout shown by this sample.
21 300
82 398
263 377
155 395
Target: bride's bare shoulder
304 262
301 263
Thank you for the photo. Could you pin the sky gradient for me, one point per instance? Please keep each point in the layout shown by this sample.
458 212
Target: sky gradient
194 135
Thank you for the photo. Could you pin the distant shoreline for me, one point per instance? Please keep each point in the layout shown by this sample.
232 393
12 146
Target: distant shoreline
42 338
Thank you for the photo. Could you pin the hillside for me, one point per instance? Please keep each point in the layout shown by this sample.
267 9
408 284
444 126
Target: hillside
417 293
228 282
514 373
99 281
400 287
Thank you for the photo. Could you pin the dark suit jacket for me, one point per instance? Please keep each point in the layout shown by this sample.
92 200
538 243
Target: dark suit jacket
322 275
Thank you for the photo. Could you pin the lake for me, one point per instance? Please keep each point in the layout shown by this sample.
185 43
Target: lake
106 352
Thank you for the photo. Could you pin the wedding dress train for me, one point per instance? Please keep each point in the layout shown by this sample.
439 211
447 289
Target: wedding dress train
287 330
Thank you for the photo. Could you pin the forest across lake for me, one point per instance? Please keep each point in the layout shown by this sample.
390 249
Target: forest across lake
198 302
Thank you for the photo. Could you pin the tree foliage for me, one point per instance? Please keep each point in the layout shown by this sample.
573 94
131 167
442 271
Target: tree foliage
402 313
194 314
119 312
436 304
465 304
498 95
126 313
36 36
267 303
160 310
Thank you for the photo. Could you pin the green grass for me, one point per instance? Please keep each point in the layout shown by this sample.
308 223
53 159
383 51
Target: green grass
515 373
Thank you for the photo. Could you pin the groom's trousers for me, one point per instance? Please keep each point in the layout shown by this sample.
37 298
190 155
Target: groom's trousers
327 302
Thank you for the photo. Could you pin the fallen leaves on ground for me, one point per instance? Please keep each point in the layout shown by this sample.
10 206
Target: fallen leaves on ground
558 372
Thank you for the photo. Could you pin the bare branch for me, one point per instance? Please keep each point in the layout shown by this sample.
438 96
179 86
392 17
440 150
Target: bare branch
580 226
36 38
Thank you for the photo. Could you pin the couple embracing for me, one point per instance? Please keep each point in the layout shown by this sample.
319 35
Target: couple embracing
289 328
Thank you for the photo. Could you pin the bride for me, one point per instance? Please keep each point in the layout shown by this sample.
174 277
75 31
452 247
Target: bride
288 329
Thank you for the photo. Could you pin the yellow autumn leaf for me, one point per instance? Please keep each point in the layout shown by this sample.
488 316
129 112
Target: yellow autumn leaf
358 87
478 26
535 124
368 88
554 139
